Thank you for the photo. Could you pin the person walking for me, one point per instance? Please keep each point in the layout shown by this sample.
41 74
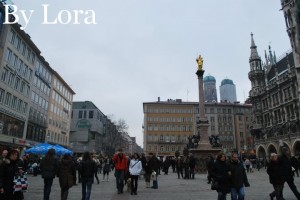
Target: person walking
286 170
67 175
121 167
154 165
275 177
87 170
148 171
48 167
238 178
209 164
220 174
179 167
106 169
135 168
8 170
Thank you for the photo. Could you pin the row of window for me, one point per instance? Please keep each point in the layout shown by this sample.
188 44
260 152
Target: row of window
43 103
167 127
62 125
167 138
43 72
13 102
166 148
15 82
59 99
62 89
41 85
190 111
21 46
169 110
37 116
170 119
59 112
17 63
57 138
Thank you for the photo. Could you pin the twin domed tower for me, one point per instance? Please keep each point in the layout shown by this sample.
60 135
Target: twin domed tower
227 90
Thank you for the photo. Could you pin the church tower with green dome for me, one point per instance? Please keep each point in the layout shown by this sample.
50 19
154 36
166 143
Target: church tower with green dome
210 90
227 91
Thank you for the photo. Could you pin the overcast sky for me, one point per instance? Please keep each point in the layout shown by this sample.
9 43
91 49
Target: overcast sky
143 49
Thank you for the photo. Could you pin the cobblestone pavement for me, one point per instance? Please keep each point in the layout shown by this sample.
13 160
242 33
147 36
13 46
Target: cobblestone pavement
169 188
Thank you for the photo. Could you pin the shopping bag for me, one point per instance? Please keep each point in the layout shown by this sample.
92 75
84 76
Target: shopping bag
20 183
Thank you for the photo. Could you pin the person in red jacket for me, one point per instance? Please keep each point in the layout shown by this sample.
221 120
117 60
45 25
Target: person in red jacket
121 166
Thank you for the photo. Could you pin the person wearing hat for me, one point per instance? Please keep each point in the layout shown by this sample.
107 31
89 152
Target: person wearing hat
286 170
275 177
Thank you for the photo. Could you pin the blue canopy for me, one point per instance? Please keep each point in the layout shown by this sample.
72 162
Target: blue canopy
44 147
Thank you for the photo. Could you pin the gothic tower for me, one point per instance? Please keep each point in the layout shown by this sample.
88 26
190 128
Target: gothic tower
291 11
257 78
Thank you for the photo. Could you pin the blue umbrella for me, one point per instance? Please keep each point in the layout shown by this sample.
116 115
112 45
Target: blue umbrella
61 150
40 148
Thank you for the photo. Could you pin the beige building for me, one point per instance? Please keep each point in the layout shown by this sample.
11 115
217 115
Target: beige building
59 114
168 124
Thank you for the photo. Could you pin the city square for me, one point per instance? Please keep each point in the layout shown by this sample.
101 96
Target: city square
169 187
139 86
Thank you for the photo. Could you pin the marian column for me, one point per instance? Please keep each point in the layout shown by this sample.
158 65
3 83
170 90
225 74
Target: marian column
202 124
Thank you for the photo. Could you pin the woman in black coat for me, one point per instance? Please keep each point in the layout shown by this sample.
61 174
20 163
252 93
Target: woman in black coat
8 169
276 178
67 175
220 174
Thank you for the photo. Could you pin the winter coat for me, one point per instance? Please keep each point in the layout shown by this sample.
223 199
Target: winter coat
238 177
66 173
87 169
275 174
135 167
220 173
121 162
48 168
179 164
154 164
106 167
8 169
285 167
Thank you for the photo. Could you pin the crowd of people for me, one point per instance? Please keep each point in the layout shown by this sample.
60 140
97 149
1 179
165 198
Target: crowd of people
227 175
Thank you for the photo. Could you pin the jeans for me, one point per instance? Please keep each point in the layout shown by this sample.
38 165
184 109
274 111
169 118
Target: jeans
237 193
47 187
120 174
87 188
134 183
221 196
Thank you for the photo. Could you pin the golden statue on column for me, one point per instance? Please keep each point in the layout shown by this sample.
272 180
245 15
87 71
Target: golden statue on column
199 62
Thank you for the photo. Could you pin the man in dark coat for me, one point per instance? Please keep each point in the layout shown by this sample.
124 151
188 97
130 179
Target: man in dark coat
209 165
286 169
238 178
154 165
276 178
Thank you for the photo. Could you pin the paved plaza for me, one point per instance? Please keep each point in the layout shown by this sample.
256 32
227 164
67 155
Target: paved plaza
170 188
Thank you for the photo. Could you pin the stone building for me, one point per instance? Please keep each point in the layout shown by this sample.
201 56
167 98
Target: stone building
168 124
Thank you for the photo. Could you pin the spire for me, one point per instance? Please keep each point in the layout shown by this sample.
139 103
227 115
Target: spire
254 53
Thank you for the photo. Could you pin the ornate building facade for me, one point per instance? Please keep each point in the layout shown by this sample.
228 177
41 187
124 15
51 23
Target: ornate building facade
275 102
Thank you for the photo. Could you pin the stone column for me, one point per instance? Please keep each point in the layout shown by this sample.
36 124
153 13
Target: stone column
202 124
